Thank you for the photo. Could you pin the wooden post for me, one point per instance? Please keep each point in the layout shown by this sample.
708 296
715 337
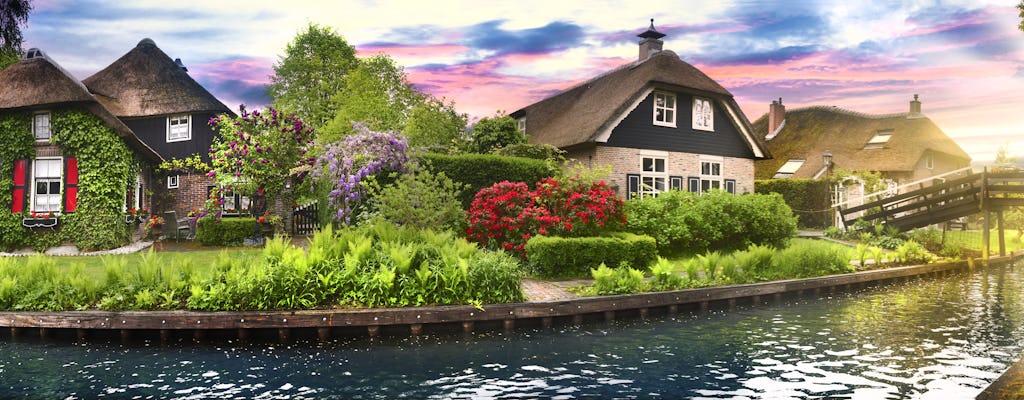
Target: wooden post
577 319
42 333
373 330
644 312
416 329
986 228
1002 238
609 316
323 333
510 324
467 326
80 334
546 322
243 334
673 309
165 335
283 334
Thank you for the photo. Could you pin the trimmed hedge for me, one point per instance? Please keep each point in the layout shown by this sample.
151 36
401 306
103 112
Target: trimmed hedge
227 232
806 197
551 256
479 171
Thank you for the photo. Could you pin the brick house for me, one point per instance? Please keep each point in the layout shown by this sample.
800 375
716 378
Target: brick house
903 147
659 122
168 110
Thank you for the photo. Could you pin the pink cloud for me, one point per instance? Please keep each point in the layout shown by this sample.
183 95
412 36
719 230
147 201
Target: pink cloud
399 50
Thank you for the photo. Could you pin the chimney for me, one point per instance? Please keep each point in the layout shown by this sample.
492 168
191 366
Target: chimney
776 115
650 43
177 61
915 108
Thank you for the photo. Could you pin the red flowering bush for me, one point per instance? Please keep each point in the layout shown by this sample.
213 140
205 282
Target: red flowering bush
508 214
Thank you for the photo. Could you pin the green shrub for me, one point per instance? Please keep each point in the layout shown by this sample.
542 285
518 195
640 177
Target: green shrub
564 257
665 277
807 198
545 152
807 259
622 280
420 200
684 222
226 231
911 252
479 171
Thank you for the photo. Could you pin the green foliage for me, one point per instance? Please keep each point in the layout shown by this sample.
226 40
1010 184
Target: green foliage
435 125
490 133
479 171
913 253
565 257
377 94
665 277
684 222
312 69
187 164
224 232
541 151
420 200
806 197
623 280
16 144
8 56
808 259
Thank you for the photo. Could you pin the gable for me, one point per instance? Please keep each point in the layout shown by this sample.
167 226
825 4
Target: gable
638 130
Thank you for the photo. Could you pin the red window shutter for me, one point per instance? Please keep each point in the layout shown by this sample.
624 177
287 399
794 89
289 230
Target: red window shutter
70 184
20 186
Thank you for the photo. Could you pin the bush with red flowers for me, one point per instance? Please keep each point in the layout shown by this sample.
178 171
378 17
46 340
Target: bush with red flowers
506 215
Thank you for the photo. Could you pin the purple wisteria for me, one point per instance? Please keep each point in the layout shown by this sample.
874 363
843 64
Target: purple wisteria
346 165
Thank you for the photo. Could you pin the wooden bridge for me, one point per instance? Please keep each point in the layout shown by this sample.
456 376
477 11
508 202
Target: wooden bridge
986 192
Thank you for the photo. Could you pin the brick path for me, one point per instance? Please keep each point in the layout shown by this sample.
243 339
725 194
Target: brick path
550 290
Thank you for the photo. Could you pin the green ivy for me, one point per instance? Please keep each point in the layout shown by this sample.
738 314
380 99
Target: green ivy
17 144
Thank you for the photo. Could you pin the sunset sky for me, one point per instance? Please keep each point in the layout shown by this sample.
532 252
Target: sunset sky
964 58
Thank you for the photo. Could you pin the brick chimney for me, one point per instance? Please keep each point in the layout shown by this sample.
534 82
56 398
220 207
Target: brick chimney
915 108
650 43
776 115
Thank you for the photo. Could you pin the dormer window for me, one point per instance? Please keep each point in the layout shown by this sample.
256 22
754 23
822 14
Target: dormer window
179 128
665 109
703 115
788 169
41 126
879 140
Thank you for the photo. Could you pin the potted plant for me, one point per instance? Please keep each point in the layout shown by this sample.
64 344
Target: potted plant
269 223
154 226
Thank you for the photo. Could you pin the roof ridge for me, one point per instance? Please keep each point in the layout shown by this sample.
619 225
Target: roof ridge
840 110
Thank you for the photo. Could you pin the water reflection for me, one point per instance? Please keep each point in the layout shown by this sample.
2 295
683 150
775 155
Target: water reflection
943 338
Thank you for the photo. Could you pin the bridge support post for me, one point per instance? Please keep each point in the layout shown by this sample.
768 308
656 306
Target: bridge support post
986 233
1002 237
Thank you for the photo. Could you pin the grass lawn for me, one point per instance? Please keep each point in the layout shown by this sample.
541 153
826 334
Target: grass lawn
792 242
973 240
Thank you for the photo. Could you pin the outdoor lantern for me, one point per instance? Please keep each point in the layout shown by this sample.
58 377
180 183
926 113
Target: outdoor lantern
828 158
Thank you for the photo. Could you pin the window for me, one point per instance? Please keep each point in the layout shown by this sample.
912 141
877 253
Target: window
137 197
929 161
710 175
664 109
652 179
235 203
46 182
703 115
179 128
521 125
788 169
41 126
172 182
879 140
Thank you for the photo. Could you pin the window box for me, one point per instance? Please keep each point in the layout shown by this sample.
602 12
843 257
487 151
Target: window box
40 221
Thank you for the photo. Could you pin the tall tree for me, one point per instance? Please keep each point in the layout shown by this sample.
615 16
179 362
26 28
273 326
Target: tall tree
1021 8
311 72
435 125
13 14
494 132
377 94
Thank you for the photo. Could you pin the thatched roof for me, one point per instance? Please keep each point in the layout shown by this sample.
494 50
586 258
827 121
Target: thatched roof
40 83
809 131
581 113
146 82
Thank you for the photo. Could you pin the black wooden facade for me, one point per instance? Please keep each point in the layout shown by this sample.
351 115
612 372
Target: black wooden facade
638 131
153 131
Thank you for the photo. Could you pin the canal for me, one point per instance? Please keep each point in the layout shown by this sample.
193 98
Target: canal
941 338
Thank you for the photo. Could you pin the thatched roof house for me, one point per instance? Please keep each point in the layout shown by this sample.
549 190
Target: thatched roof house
37 82
903 146
147 82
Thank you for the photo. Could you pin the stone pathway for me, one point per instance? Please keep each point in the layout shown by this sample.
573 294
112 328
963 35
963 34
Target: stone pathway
73 251
537 290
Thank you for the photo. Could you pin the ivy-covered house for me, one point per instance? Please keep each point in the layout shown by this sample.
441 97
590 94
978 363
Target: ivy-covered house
170 112
659 122
67 165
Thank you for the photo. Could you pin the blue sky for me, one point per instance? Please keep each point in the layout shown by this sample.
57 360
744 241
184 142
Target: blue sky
964 58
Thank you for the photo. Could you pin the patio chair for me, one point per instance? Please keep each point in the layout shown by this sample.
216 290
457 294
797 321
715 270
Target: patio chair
180 229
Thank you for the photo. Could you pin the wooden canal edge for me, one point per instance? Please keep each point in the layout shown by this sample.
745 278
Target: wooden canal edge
413 320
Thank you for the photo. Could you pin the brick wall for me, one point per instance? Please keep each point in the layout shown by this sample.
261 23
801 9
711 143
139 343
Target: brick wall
190 194
625 160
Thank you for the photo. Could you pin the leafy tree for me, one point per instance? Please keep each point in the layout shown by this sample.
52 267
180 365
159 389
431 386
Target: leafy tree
13 14
311 72
259 150
1021 8
435 124
494 132
377 94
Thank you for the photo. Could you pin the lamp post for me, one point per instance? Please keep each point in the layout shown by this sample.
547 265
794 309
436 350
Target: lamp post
827 158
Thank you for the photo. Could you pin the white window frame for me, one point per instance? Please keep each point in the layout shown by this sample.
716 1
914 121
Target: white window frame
668 108
172 181
789 169
139 190
521 125
177 137
708 179
650 178
35 130
35 180
929 161
703 114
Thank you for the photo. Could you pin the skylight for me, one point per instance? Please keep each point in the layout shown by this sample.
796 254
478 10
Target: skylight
879 140
789 168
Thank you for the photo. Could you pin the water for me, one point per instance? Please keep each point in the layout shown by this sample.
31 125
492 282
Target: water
936 338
